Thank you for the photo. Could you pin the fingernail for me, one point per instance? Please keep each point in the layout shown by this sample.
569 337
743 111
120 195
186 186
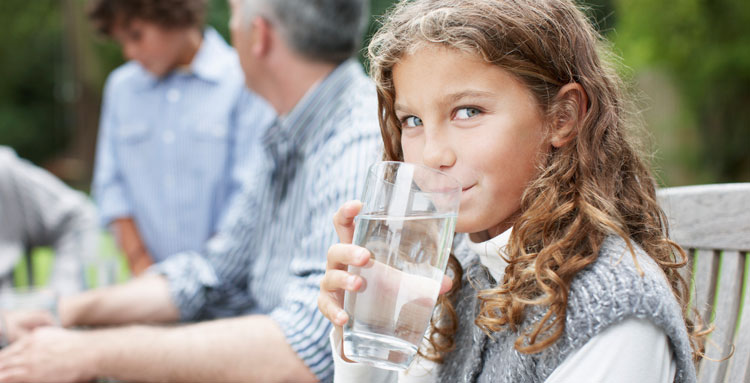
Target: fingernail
341 317
363 254
351 281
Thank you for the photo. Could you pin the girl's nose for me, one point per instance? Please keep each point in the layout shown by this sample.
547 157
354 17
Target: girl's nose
438 151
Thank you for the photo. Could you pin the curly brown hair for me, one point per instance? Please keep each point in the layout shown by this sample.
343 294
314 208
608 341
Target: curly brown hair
594 186
106 14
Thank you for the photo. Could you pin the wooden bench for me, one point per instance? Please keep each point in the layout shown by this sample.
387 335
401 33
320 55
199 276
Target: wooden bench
712 224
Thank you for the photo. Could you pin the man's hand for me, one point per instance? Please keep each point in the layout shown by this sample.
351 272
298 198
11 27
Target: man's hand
17 324
49 354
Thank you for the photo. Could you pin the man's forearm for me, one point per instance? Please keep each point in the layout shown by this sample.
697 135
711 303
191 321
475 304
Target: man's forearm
249 349
144 299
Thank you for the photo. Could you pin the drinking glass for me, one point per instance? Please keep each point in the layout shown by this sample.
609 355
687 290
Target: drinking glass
22 299
28 298
100 272
407 223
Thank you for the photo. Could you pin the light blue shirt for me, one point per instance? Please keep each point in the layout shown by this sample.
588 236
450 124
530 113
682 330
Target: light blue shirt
171 150
270 253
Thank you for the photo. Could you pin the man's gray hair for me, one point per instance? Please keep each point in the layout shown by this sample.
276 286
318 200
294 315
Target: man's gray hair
323 30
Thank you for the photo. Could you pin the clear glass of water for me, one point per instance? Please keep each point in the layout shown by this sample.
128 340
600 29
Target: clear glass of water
100 272
28 298
407 223
24 299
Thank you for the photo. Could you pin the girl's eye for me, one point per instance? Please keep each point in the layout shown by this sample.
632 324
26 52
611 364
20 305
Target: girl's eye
465 113
411 121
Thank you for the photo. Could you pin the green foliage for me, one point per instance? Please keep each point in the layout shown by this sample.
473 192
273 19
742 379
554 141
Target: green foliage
218 17
32 117
703 46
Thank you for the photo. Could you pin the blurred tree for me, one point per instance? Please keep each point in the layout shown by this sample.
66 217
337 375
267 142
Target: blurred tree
218 17
31 62
703 47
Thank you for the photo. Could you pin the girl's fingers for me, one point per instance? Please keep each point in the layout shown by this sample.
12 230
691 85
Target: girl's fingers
336 280
342 255
343 220
445 285
331 309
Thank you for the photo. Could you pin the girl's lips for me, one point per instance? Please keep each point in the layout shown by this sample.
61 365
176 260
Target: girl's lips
467 188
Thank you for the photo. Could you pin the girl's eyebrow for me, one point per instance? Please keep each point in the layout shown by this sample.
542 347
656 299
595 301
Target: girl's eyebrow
400 108
454 97
450 98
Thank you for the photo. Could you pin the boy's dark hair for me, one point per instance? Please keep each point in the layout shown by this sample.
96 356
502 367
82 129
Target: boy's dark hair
105 14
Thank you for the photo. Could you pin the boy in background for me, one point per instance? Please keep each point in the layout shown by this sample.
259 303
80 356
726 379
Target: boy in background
176 124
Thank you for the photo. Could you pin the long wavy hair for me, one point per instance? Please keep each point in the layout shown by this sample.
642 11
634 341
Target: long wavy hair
594 186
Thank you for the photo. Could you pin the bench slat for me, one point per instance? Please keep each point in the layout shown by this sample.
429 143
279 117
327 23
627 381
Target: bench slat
719 344
687 271
739 364
704 282
709 216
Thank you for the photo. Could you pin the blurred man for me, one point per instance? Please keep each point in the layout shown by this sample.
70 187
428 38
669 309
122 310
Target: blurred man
37 209
177 125
267 260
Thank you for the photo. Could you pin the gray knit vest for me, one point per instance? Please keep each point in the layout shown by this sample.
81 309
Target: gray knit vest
605 293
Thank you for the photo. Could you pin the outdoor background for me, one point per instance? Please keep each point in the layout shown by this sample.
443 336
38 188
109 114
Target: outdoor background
688 61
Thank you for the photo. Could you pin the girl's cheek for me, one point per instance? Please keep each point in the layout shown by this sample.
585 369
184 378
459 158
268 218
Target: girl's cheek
411 150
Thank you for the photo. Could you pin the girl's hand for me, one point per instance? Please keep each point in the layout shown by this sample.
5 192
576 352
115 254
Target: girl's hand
340 256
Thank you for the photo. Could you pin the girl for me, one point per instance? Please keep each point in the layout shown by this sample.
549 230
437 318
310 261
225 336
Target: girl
566 273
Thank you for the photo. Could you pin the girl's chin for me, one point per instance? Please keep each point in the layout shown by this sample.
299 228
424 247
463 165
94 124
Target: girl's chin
467 227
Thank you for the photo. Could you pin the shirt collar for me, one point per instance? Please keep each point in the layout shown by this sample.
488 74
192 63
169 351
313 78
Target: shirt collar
209 62
491 252
315 106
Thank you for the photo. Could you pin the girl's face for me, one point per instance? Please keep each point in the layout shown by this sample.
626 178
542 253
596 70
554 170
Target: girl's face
474 121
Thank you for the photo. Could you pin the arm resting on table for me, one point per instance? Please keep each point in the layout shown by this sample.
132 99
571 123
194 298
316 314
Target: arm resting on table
250 348
144 299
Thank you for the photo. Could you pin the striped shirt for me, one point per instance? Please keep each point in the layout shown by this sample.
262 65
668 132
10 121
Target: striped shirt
270 252
171 149
37 209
